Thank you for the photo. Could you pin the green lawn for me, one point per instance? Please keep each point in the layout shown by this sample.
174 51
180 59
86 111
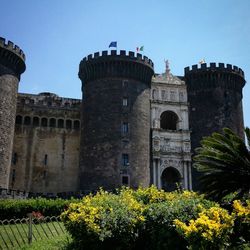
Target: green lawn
58 242
51 235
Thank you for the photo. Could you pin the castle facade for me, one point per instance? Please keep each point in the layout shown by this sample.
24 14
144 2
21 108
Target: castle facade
132 127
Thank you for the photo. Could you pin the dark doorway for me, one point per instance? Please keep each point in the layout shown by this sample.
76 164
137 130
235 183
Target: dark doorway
170 179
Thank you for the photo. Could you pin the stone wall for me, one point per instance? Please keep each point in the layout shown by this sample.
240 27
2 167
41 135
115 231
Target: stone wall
45 156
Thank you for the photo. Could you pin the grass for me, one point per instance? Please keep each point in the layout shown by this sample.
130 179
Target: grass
59 242
15 236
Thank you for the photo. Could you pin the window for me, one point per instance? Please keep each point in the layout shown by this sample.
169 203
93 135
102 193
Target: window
125 161
27 120
52 122
125 180
13 176
163 95
125 83
125 128
14 159
76 124
44 122
45 160
36 121
68 124
181 96
60 123
169 120
125 101
154 94
172 95
19 119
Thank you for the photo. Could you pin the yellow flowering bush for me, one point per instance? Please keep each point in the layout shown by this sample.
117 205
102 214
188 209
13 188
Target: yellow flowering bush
151 219
209 231
104 218
241 213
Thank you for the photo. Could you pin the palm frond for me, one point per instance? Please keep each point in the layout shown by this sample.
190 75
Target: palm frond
224 161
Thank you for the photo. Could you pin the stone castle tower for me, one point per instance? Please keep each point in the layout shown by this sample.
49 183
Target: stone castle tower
215 97
12 65
115 135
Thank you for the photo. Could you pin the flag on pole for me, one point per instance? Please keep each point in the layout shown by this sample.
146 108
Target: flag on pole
113 44
140 48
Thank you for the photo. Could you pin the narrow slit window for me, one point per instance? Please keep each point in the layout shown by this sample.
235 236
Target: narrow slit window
125 101
13 176
14 159
45 160
125 160
125 128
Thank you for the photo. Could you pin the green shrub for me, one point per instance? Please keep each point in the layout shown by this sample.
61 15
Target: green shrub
105 220
159 231
10 208
141 219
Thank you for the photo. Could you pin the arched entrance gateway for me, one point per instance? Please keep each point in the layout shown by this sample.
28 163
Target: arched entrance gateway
170 178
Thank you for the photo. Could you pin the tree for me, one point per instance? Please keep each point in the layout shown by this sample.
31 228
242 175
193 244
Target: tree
224 161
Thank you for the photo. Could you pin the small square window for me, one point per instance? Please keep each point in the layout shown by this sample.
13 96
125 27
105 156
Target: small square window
125 161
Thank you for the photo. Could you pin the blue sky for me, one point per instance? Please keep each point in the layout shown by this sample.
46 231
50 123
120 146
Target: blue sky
56 34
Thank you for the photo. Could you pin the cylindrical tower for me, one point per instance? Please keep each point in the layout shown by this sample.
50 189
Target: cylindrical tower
11 67
115 132
215 97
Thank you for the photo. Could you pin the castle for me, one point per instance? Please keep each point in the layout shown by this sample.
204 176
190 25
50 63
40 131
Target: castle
132 127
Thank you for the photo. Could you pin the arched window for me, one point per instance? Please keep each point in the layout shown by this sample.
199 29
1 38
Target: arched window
19 119
44 122
154 94
169 120
170 179
36 121
68 124
27 120
60 123
76 124
52 122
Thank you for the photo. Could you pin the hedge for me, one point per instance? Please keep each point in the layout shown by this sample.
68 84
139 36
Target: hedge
13 209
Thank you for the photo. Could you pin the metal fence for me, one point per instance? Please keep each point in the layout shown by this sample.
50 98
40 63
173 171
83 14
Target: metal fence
16 233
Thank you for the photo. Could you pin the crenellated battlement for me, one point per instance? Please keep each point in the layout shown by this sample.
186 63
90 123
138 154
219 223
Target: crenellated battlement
204 76
11 57
220 67
116 64
12 47
104 55
48 100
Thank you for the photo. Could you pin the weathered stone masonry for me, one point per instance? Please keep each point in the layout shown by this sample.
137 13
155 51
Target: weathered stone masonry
215 97
115 141
11 67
